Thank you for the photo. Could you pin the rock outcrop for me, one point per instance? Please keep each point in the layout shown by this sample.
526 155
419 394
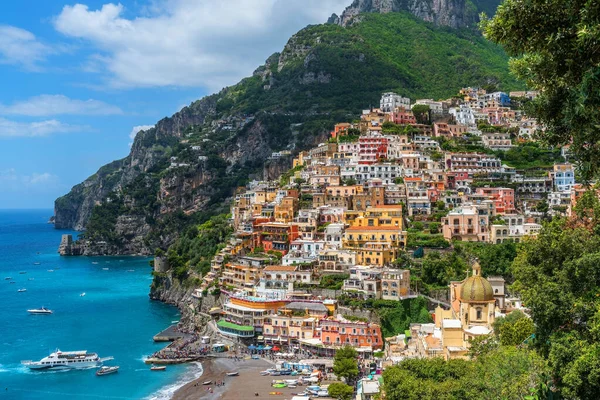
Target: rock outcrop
452 13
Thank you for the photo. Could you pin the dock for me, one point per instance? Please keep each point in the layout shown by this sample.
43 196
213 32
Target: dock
170 335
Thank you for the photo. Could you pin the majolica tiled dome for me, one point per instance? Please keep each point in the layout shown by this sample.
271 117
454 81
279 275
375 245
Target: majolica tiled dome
476 288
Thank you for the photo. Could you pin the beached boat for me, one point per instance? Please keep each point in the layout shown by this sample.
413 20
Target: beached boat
206 382
22 290
232 373
41 311
67 360
158 368
275 393
107 370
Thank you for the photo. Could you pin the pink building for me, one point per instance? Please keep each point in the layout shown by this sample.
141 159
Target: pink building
504 198
372 148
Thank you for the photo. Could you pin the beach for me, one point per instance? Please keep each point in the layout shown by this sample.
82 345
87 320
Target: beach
245 386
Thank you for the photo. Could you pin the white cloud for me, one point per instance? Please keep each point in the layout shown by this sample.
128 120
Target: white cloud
189 42
21 47
46 105
9 128
11 177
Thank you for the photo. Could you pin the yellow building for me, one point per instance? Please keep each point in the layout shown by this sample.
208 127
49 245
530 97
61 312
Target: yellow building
239 276
284 212
472 313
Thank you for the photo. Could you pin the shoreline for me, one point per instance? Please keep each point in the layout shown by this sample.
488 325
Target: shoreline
235 387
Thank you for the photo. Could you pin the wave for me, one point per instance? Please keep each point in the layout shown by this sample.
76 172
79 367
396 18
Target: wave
165 393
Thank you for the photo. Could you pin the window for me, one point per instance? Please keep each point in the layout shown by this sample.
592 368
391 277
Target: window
479 314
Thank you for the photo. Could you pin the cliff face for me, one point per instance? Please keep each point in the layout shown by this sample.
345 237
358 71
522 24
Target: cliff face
452 13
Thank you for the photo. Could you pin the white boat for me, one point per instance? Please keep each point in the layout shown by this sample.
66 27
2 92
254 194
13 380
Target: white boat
158 368
67 360
50 270
107 370
232 373
105 269
42 310
21 290
37 263
82 294
30 279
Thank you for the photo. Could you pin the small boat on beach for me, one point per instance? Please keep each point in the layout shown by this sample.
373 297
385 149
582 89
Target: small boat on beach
232 373
206 382
40 311
107 370
158 368
22 290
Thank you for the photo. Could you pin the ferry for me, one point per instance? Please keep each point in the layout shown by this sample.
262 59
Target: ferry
42 310
67 360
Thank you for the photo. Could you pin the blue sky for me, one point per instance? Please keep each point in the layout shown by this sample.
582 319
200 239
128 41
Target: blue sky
77 78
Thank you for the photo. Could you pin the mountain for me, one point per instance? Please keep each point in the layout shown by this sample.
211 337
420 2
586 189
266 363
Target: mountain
183 170
452 13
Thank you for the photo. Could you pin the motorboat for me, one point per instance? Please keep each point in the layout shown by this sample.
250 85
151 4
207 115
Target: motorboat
41 310
22 272
22 290
80 359
50 270
105 269
30 279
37 263
235 373
8 278
107 370
82 294
158 368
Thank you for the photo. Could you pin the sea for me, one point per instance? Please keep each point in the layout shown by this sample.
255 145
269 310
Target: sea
115 317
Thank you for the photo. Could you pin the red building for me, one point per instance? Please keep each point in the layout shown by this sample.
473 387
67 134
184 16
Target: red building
275 236
372 148
504 198
403 117
357 334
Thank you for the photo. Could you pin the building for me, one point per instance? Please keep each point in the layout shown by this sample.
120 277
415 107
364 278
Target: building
564 177
497 141
244 315
468 223
473 163
504 198
341 332
395 284
390 101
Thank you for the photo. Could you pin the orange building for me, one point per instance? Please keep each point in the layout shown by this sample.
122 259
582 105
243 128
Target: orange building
357 334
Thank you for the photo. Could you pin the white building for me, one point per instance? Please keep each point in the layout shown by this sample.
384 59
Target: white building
390 101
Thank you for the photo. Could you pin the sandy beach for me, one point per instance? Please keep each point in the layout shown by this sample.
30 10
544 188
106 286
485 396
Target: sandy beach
239 387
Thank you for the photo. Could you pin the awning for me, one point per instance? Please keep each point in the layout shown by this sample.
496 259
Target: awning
231 325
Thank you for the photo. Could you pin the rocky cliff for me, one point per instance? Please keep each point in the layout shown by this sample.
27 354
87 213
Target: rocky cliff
452 13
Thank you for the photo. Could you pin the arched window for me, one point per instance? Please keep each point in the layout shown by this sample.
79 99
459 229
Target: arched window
479 314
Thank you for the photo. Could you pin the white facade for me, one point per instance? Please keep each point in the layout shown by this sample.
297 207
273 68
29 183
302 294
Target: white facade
390 101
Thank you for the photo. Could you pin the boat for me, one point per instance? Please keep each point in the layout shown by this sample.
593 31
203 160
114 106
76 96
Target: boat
42 310
22 272
8 278
107 370
278 393
80 359
21 290
50 270
158 368
206 382
131 270
31 279
94 262
82 294
37 263
232 373
12 282
105 269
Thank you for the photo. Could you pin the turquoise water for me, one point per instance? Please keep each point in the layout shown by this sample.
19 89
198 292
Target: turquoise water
114 318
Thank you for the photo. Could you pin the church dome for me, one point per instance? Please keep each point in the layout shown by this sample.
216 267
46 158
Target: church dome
476 288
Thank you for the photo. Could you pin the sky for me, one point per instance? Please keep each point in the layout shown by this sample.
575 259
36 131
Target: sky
78 80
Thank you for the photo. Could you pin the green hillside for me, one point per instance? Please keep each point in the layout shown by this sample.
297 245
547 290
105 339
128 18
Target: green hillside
394 51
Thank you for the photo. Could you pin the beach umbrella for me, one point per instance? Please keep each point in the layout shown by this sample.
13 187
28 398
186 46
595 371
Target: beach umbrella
252 347
276 348
278 354
267 347
260 347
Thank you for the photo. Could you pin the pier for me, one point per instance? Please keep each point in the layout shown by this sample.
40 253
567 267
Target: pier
170 334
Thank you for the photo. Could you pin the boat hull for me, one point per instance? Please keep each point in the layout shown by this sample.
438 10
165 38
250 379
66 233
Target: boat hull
61 366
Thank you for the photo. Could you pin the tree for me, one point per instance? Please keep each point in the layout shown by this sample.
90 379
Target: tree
421 112
341 391
558 277
554 45
345 364
514 329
